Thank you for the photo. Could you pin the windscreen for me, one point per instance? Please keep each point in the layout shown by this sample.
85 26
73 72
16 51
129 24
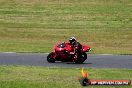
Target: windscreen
62 45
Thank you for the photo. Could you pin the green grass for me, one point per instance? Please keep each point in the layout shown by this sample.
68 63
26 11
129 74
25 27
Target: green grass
46 77
36 25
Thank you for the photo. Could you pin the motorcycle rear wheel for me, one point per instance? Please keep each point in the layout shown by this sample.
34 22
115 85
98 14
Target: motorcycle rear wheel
81 58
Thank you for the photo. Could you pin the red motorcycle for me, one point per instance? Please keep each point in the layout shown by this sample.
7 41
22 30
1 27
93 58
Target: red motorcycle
65 53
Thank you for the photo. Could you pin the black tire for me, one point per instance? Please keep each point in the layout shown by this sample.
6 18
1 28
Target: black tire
81 58
84 57
50 58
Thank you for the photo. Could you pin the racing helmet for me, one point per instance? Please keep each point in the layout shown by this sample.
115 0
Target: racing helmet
72 40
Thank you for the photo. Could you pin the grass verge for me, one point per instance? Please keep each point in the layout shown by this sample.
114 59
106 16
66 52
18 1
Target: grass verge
45 77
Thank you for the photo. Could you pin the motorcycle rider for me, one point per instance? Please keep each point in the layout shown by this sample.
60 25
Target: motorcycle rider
76 48
75 45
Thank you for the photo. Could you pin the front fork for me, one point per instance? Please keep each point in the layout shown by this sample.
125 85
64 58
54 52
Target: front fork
54 55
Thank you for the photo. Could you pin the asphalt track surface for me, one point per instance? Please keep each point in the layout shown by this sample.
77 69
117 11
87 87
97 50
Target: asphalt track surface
39 59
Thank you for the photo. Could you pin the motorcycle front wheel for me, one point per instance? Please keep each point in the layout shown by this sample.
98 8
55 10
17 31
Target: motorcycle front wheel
50 58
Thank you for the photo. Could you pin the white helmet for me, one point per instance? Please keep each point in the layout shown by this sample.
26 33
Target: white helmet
72 40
